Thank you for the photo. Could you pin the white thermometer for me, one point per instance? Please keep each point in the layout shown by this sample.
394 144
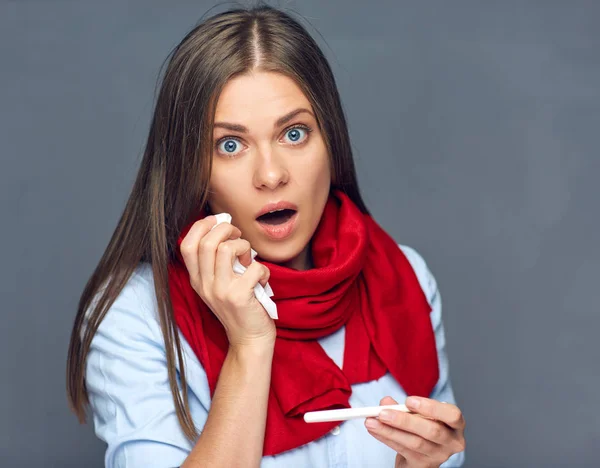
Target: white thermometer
350 413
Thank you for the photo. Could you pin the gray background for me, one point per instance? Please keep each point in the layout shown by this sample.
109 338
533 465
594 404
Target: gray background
475 126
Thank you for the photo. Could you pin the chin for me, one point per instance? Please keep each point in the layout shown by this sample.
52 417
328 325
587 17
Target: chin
280 253
278 256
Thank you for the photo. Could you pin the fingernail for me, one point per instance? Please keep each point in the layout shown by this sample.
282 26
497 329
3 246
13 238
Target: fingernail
413 402
372 423
385 416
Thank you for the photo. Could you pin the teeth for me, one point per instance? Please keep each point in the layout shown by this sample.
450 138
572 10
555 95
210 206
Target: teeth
275 211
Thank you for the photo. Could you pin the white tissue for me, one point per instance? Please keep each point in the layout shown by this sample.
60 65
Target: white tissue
263 295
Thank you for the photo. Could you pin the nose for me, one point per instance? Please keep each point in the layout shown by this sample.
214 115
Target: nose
270 171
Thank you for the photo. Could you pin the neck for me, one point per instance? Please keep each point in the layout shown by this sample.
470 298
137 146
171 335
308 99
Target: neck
303 261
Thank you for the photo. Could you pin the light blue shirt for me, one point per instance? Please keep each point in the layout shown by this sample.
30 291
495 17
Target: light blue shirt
132 405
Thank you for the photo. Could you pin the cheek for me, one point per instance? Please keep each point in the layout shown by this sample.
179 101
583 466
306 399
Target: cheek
319 185
315 169
322 174
218 198
223 185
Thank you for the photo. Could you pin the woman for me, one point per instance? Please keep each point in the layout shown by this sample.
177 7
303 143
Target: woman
180 363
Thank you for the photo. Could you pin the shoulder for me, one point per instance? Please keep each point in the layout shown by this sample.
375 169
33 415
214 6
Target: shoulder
128 384
132 315
140 287
422 271
131 333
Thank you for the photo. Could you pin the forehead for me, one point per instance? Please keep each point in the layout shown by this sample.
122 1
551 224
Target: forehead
257 96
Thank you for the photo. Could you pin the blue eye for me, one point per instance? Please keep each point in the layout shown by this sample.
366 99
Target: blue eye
228 146
295 134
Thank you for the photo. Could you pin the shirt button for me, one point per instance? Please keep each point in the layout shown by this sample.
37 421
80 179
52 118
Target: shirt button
335 430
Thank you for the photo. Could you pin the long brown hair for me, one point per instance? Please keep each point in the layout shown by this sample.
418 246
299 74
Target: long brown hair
172 182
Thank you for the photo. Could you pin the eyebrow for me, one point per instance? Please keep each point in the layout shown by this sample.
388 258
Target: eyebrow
281 121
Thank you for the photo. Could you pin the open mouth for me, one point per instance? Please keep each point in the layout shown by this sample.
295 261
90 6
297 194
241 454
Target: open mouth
276 217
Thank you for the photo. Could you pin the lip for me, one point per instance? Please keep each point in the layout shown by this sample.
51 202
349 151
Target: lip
279 231
280 205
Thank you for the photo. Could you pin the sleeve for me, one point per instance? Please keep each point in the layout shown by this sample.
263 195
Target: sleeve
443 388
128 387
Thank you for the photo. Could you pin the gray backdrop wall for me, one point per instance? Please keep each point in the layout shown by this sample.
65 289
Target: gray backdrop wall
475 127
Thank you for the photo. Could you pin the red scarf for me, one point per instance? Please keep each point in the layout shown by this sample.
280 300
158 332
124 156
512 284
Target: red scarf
361 279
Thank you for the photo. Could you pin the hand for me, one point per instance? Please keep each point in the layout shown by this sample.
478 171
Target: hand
209 257
425 439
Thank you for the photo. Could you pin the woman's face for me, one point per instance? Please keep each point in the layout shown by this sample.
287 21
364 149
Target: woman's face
268 149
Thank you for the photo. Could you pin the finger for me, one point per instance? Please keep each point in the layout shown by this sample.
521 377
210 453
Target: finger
256 273
428 429
406 458
387 400
207 250
190 244
445 412
400 440
246 260
227 252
